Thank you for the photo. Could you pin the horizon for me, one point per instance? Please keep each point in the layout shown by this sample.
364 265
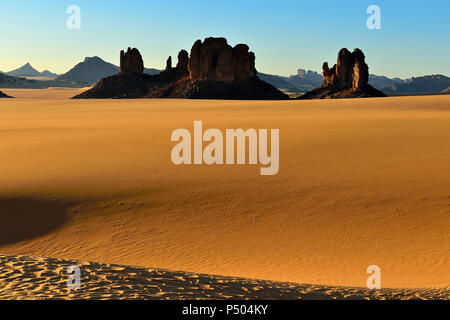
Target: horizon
294 46
147 67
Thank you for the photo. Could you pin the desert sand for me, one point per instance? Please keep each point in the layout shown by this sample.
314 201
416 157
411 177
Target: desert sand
362 182
23 277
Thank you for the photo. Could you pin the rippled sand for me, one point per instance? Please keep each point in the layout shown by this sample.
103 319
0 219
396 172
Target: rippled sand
24 277
362 182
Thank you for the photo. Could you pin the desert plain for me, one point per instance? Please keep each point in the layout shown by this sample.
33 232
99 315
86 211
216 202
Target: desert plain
361 182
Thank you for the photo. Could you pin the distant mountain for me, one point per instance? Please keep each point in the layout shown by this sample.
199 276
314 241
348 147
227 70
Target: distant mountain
151 71
381 82
293 84
309 75
93 69
48 74
25 71
276 81
23 83
305 81
427 84
28 71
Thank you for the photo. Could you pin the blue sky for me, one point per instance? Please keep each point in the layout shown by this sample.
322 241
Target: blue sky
285 34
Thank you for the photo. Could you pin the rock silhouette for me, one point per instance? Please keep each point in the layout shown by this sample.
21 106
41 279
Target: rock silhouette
181 68
183 62
360 70
344 69
349 78
216 60
214 70
2 95
131 61
169 64
329 75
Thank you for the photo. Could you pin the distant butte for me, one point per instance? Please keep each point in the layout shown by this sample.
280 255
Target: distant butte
348 78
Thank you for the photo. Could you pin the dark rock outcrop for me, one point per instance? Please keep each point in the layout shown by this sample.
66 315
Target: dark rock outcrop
329 75
169 64
181 68
130 83
2 95
360 70
183 62
349 78
216 60
252 89
214 70
344 69
131 61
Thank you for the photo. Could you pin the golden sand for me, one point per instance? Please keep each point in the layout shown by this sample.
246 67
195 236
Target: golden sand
362 182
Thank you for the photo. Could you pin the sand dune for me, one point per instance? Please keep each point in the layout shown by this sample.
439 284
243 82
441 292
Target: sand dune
361 182
29 278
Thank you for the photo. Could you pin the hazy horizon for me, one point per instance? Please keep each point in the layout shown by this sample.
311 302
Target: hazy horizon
153 67
285 36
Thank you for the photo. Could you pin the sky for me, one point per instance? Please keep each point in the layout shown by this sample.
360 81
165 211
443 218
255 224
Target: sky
286 35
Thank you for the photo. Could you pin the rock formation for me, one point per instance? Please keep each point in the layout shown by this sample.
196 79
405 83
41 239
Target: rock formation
216 60
214 70
183 62
169 64
344 69
349 78
218 71
360 70
2 95
131 62
181 68
329 75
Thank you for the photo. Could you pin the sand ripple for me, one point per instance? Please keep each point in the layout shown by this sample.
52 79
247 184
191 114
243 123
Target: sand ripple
23 277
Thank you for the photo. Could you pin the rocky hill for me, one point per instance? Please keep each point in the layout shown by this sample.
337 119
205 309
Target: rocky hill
28 71
213 70
348 78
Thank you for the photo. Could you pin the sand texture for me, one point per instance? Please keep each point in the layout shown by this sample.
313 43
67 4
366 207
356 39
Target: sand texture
362 182
32 278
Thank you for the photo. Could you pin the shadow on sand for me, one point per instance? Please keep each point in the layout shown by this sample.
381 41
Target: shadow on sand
26 218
